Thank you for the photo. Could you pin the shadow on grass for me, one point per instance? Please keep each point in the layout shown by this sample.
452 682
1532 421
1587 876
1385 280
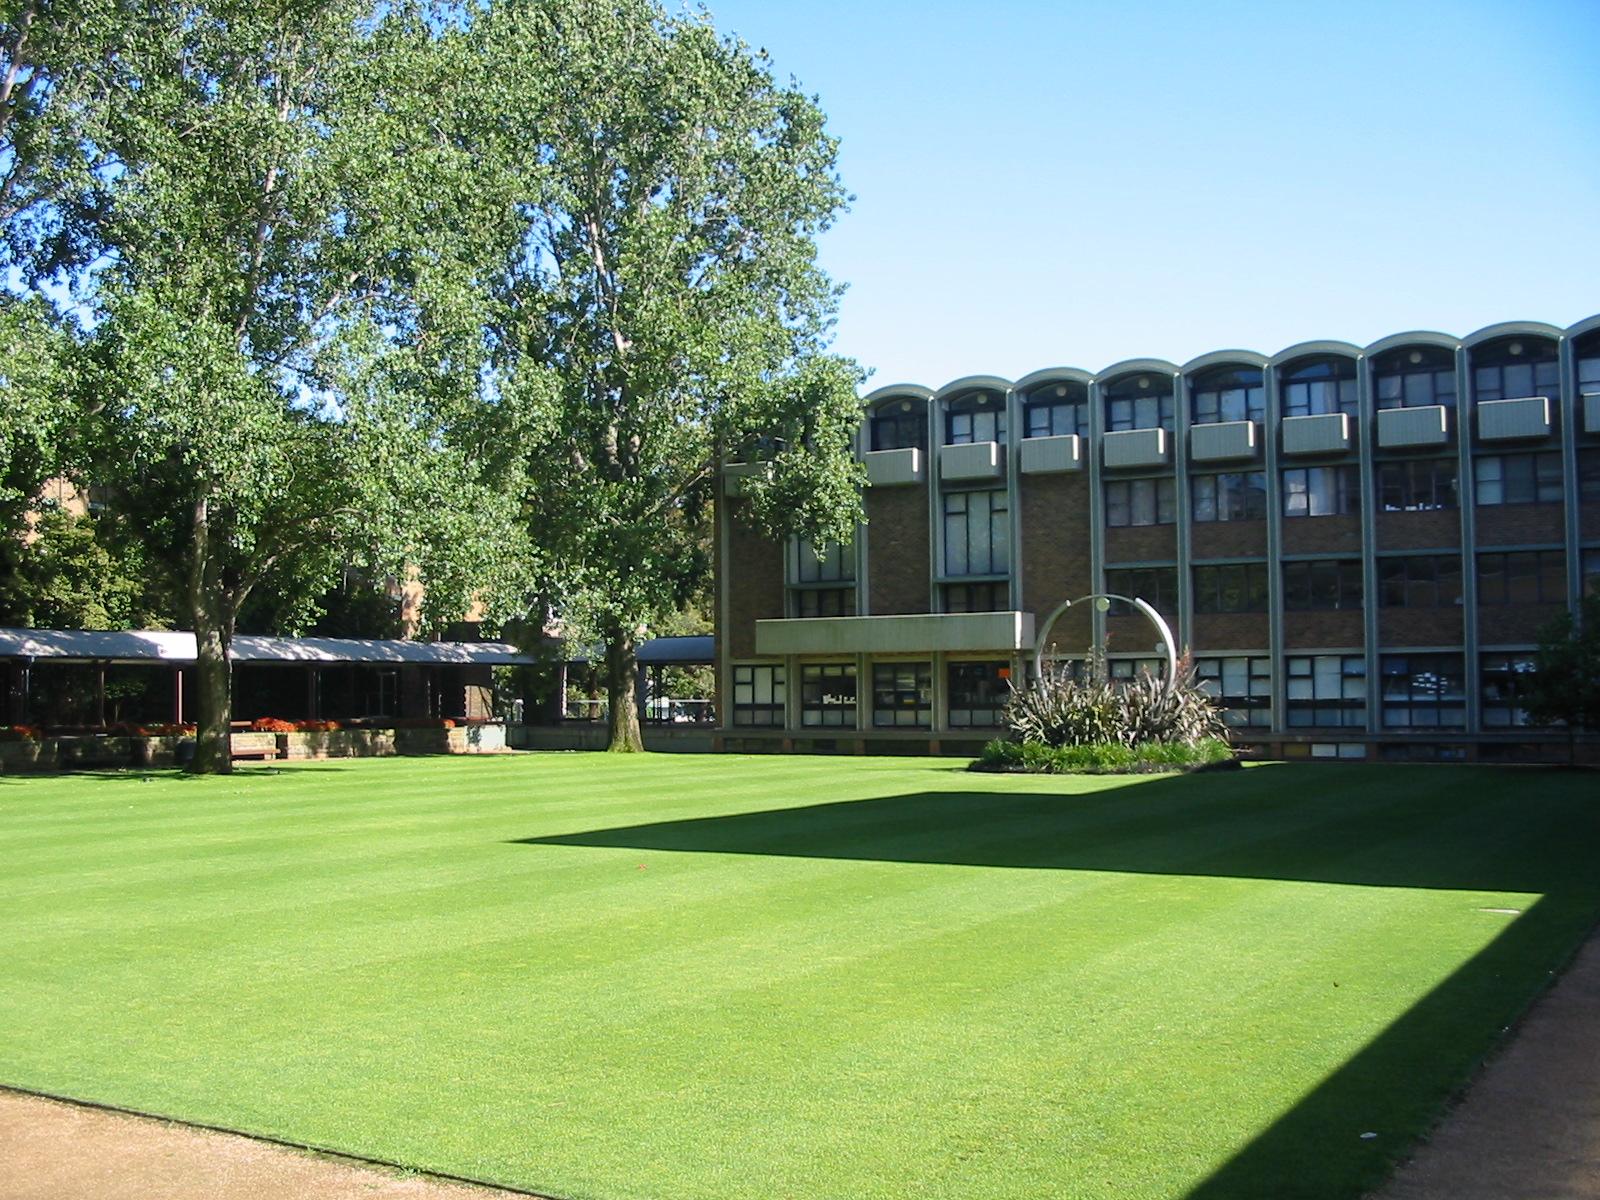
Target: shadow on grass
124 774
1405 827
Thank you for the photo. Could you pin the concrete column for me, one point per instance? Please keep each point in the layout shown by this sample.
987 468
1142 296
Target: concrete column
1467 489
1276 658
1570 403
1180 451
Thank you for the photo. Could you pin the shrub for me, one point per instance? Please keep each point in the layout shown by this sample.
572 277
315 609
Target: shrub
271 725
1102 758
1060 710
20 733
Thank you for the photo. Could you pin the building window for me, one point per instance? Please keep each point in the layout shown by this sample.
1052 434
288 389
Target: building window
1417 485
1139 402
1523 577
1325 691
1589 366
977 597
1321 386
1231 588
828 695
1419 581
1141 502
1126 670
977 533
1519 478
1156 586
975 417
900 425
902 695
1324 583
758 697
824 602
1589 567
1057 409
1416 378
1231 496
1321 491
821 580
1423 691
1228 394
1503 681
978 691
1516 369
1242 685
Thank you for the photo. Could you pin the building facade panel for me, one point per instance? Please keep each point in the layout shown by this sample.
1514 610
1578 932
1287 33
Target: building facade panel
898 550
1360 546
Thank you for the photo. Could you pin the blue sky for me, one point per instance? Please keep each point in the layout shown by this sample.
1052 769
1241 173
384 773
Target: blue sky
1072 184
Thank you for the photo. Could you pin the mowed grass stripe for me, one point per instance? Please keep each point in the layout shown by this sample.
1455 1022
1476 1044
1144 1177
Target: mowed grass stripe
979 987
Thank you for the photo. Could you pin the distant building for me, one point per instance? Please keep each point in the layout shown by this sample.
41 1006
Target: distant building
1359 545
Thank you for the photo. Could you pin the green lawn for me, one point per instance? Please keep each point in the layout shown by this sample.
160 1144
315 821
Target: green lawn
659 976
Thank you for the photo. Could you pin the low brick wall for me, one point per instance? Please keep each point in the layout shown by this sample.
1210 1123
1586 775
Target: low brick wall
87 752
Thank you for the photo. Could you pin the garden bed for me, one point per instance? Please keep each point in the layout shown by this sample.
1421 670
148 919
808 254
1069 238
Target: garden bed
1106 758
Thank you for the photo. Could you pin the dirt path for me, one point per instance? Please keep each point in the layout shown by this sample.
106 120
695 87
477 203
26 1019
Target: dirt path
1529 1127
55 1151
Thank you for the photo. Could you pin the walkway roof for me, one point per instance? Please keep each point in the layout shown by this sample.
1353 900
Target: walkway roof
178 647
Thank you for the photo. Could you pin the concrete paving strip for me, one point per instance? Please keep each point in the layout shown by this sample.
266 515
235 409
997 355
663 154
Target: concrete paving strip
1529 1126
51 1150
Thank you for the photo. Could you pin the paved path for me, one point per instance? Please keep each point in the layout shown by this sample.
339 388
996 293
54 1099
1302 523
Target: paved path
55 1151
1529 1129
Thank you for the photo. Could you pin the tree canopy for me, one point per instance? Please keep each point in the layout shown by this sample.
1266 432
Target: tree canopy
660 305
277 352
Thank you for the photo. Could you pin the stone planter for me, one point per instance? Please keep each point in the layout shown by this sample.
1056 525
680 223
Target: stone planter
337 743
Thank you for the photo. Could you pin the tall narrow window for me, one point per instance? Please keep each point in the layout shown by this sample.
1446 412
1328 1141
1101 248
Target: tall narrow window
1417 485
1423 691
1229 496
1321 491
902 695
1325 691
1503 684
822 580
978 691
1419 581
1231 588
758 696
1156 586
977 533
1416 377
828 695
1319 386
1057 409
1228 394
1139 402
1242 685
1323 583
900 425
975 417
1518 478
1141 502
1516 368
1522 577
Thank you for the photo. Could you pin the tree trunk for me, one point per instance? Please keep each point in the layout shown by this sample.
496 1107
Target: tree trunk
622 674
213 694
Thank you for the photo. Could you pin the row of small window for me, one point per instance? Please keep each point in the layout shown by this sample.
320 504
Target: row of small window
1418 377
1329 691
1407 485
902 695
1404 581
1321 691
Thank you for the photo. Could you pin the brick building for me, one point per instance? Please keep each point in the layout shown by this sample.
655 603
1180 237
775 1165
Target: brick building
1358 545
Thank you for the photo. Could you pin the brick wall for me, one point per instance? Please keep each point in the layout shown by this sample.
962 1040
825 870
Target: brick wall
1230 631
1133 635
898 550
755 581
1589 521
1319 630
1142 543
1414 530
1500 624
1323 535
1518 524
1229 539
1419 626
1054 514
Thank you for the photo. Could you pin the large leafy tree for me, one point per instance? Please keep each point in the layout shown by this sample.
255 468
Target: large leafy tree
1564 688
660 306
283 352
